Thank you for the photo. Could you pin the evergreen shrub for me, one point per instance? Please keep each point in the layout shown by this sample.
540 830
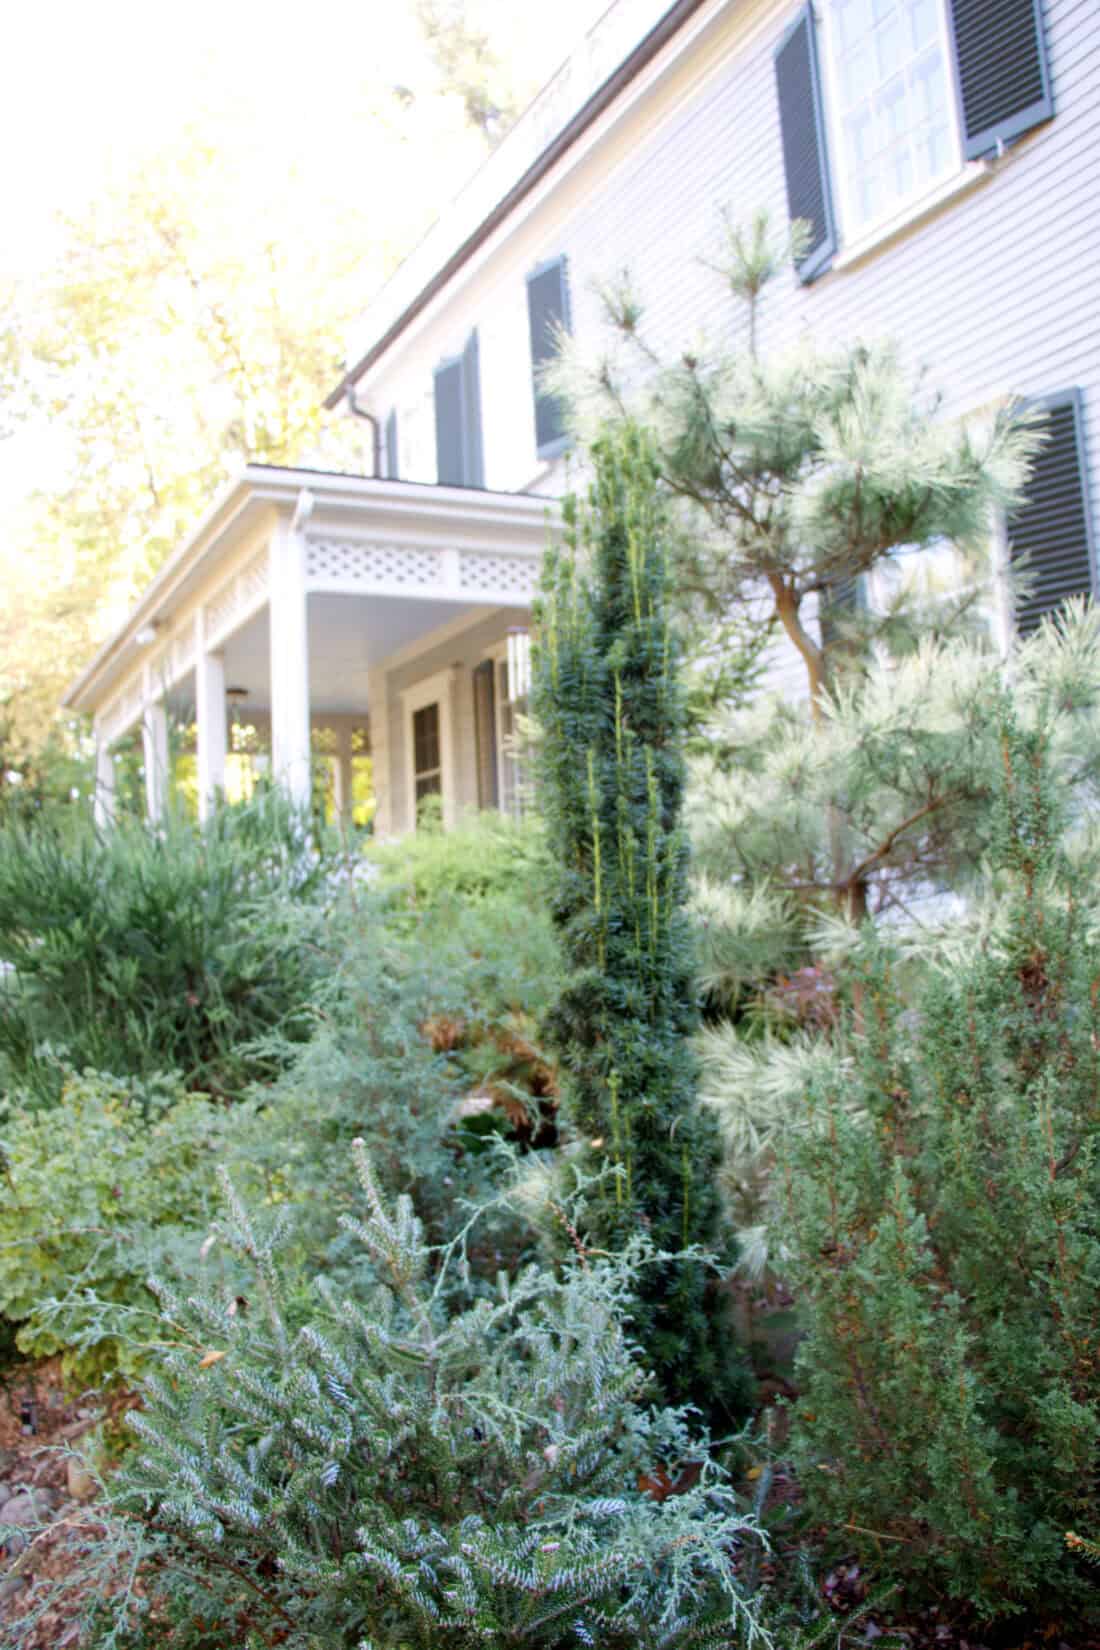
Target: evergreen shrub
942 1213
610 708
140 950
399 1469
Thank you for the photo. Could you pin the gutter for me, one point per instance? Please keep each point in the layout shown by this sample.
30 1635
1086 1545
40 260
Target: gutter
601 99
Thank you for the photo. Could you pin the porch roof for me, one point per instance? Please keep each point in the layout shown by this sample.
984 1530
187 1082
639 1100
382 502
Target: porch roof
409 511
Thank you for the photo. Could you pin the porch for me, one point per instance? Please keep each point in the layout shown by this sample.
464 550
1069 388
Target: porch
316 616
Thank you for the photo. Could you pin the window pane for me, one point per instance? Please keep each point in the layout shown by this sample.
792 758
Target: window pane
891 78
426 738
429 785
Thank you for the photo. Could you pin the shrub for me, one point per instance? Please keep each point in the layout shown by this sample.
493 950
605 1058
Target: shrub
486 854
102 1189
611 713
425 1038
389 1471
942 1214
137 951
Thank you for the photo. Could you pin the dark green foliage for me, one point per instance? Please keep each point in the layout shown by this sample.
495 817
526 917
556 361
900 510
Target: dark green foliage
381 1471
942 1213
136 951
611 713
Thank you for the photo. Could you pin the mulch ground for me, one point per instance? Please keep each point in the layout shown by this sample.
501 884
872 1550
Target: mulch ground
40 1422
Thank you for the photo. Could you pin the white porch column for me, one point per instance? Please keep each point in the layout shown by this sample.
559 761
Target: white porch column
290 750
154 745
210 722
342 776
103 799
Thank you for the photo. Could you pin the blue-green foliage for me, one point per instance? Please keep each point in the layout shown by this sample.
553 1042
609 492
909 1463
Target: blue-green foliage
383 1471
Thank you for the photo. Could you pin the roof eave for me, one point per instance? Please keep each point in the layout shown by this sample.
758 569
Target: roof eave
272 485
602 98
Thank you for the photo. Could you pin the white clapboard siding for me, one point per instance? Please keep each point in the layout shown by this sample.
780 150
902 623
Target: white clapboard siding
994 295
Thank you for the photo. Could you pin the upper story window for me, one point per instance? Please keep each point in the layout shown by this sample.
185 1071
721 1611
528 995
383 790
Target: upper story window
882 101
548 317
892 104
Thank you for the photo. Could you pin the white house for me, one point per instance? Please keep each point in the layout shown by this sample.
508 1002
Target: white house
947 156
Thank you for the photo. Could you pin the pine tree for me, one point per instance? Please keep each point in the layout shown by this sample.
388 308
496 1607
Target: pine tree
801 474
611 714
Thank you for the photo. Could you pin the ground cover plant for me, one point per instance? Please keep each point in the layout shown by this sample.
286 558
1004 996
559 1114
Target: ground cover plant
137 951
109 1185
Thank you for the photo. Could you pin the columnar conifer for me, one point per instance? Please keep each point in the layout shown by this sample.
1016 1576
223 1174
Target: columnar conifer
611 712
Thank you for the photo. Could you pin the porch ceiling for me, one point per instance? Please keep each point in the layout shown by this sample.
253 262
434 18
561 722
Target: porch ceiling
348 635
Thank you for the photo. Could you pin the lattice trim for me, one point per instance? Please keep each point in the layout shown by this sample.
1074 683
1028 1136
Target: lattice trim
514 575
252 579
397 566
181 656
219 612
123 710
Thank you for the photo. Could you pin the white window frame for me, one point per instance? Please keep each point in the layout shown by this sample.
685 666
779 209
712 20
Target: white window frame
498 654
438 690
853 235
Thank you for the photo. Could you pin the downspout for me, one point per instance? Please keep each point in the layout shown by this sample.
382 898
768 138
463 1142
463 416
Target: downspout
376 432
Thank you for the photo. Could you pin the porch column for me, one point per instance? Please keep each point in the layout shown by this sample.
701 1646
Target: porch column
342 776
103 798
210 722
290 749
154 746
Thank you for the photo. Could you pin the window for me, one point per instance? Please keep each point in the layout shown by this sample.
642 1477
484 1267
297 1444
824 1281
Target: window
458 450
910 90
1050 541
427 757
500 699
429 761
548 317
892 104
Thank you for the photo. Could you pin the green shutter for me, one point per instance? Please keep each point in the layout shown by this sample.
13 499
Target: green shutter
471 413
488 779
1050 536
1002 74
805 155
450 452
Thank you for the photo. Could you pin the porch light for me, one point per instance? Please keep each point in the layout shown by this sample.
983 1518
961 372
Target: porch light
519 664
146 636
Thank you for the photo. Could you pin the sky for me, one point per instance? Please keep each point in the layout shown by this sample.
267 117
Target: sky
96 93
90 91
